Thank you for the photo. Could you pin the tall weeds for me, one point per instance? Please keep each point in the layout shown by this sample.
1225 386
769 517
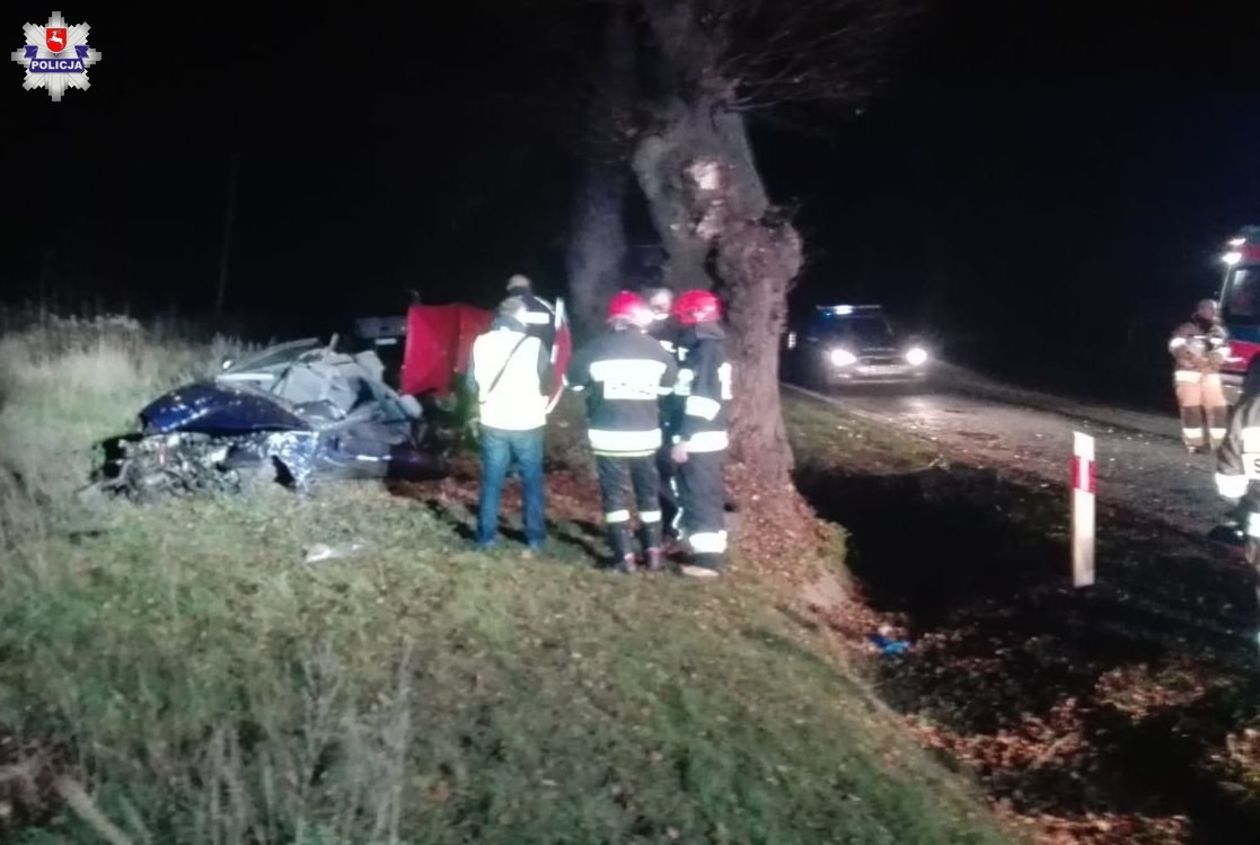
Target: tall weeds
66 384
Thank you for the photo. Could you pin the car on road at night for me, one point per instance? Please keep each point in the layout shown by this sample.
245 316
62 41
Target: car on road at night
845 344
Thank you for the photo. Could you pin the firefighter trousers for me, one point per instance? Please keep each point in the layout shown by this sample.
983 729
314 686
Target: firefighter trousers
1252 528
702 504
1201 398
618 475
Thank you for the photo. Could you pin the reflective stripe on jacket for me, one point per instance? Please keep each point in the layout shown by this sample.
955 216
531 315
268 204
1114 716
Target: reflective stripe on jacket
1238 459
623 374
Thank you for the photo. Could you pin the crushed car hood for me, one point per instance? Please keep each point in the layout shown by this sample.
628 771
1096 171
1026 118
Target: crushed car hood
217 409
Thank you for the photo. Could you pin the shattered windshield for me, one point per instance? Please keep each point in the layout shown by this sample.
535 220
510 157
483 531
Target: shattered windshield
274 356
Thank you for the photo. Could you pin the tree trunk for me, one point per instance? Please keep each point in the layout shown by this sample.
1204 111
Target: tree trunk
757 261
710 209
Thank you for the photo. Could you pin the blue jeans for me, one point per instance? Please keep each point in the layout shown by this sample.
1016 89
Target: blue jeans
499 448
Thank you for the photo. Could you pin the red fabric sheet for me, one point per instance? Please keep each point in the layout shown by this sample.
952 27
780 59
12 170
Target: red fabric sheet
439 341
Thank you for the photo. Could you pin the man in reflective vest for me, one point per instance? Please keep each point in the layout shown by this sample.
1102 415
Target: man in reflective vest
1199 347
624 373
700 439
508 373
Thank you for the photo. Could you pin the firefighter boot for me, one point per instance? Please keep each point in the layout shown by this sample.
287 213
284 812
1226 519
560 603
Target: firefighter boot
1192 429
650 539
622 549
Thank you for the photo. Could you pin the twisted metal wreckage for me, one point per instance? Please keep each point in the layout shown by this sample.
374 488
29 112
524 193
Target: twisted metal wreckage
303 411
294 413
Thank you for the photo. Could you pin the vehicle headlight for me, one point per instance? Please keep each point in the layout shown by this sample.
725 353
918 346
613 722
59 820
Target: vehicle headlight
916 356
841 357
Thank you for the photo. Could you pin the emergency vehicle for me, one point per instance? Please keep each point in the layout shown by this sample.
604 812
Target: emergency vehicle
1240 308
839 344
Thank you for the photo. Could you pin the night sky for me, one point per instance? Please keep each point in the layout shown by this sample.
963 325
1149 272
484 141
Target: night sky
1026 170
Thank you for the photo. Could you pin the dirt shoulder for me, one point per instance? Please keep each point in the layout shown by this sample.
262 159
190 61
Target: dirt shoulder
1127 712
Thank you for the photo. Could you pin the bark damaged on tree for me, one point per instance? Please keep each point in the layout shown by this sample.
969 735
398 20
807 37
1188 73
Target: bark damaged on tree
703 65
720 231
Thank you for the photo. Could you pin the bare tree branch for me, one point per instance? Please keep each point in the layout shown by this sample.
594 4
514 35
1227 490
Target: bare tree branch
784 51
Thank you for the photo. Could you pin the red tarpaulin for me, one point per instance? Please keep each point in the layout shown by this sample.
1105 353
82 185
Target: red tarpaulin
439 341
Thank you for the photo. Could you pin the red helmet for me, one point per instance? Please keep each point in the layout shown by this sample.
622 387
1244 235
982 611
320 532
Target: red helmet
627 305
697 306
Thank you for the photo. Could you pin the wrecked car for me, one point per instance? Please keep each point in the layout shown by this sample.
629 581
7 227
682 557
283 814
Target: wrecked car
295 413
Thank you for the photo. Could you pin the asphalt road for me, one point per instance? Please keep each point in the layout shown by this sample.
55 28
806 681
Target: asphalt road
1141 463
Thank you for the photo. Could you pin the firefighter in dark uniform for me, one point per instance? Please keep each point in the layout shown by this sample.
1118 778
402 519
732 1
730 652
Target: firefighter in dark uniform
540 315
1199 347
664 329
1238 472
624 373
700 441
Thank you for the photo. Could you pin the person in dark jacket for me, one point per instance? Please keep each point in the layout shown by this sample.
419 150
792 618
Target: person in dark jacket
1199 347
664 328
623 373
700 439
540 315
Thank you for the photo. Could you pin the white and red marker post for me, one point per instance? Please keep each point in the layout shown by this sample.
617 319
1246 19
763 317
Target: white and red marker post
1084 487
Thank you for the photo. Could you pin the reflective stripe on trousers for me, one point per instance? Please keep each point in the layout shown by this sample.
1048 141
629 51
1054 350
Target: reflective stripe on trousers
702 502
619 479
1201 398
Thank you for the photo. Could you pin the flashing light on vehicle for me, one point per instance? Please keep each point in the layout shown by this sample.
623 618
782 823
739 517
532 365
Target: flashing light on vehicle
842 357
1231 258
916 356
1237 241
842 310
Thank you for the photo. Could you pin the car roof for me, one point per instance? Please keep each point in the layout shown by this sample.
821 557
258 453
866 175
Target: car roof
848 310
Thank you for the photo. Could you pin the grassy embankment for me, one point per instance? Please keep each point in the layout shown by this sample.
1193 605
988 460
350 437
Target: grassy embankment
206 685
1122 713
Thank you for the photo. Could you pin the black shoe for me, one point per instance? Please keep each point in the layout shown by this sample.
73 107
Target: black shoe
1228 535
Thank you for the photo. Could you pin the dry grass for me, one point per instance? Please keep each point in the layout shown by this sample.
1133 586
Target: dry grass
207 687
67 383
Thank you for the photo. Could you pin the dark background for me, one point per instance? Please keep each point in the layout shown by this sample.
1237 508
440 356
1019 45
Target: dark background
1044 187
